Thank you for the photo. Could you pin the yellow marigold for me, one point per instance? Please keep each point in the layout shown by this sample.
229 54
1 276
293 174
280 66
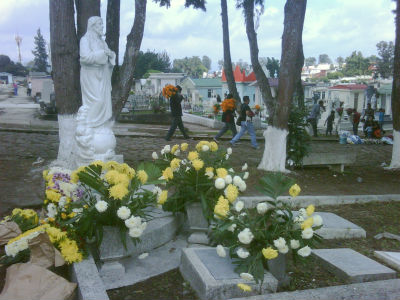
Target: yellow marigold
55 234
118 191
70 251
168 174
209 169
201 144
244 287
221 208
193 155
231 192
174 148
142 175
184 146
310 209
53 195
162 197
213 146
111 165
294 190
307 223
269 253
221 172
197 164
175 164
98 163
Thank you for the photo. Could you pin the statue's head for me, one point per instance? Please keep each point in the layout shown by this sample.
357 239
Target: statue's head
95 24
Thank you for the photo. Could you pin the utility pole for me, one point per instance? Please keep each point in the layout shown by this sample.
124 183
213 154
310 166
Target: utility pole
18 39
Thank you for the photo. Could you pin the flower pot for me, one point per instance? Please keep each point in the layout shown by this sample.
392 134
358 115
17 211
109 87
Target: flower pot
198 224
277 267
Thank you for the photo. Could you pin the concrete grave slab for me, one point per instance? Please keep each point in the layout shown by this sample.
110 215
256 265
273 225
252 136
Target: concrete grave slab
390 258
352 266
213 277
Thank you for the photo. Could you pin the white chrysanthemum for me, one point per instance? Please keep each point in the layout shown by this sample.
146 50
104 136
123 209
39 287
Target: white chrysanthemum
242 187
221 251
317 220
135 232
280 242
294 244
305 251
237 180
210 175
101 206
226 156
232 227
262 208
231 170
133 222
229 151
239 206
220 183
205 148
303 212
244 167
245 236
187 169
298 219
246 276
156 190
66 187
246 175
184 161
307 233
228 179
177 152
167 149
123 213
143 255
284 250
242 253
51 210
154 155
162 152
62 201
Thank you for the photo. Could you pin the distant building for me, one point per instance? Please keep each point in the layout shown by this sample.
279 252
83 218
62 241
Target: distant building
157 81
39 81
384 98
244 84
352 95
202 91
6 78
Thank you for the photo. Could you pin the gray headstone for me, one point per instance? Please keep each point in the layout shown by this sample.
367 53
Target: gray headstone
390 258
213 277
352 266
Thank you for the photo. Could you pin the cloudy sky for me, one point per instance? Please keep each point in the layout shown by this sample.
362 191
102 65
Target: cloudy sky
334 27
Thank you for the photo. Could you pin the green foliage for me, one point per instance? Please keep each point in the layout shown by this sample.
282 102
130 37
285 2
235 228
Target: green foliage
324 59
150 61
386 59
206 61
298 140
356 64
40 53
22 257
310 61
7 65
335 75
272 66
192 66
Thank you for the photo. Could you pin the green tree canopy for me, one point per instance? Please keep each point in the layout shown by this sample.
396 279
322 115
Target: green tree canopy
386 58
40 53
310 61
324 59
7 65
150 60
272 65
356 64
192 66
340 61
206 61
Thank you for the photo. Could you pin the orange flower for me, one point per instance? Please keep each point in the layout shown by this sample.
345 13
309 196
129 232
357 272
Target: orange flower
169 90
216 108
228 104
257 107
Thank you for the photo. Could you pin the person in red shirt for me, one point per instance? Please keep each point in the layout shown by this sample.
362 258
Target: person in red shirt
355 120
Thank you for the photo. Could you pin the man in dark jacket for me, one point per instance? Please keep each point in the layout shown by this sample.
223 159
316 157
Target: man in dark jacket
176 112
228 117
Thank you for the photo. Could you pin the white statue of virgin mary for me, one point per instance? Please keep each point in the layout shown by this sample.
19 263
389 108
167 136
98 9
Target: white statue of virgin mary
94 136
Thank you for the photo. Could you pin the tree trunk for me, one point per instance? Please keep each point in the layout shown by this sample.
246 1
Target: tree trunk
121 89
274 157
65 63
84 10
227 54
395 163
262 79
112 33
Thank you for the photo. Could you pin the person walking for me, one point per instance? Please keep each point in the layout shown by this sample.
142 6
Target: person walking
176 113
246 124
381 117
314 116
228 117
29 89
355 120
329 122
15 86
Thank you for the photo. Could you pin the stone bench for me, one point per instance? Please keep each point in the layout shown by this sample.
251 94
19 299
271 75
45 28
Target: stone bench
334 161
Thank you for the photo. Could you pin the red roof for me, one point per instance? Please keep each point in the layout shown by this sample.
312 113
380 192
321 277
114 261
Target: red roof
240 76
348 87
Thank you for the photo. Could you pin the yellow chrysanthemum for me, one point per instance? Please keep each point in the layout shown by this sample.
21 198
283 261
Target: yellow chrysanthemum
244 287
63 216
231 192
98 163
16 211
162 197
184 146
307 223
221 208
53 195
193 155
221 172
269 253
45 173
74 174
213 146
142 175
175 164
197 164
126 169
118 191
200 145
294 190
168 174
70 251
310 209
71 215
111 165
55 234
209 169
174 148
115 177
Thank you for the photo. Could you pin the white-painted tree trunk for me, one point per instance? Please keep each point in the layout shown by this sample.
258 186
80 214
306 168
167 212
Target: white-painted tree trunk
66 134
395 163
274 157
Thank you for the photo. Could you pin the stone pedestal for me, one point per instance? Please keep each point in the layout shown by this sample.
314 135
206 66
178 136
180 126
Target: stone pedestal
198 224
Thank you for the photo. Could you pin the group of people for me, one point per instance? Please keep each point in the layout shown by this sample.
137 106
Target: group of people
245 119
